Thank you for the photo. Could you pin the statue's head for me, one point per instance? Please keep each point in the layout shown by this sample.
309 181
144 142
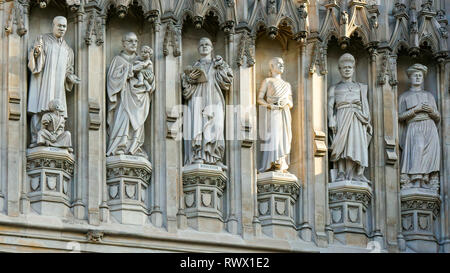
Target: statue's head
416 73
55 106
346 65
276 66
59 26
130 42
205 47
146 52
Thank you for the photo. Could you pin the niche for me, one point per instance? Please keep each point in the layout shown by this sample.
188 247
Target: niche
361 74
265 49
40 22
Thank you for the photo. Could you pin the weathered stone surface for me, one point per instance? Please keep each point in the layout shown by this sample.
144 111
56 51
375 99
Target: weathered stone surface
385 38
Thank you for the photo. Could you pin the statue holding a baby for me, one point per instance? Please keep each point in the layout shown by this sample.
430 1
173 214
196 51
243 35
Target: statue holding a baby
130 83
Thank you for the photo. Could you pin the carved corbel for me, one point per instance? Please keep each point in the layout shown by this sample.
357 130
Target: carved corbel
320 146
16 17
344 38
228 25
94 115
246 50
302 15
74 5
122 7
43 3
272 30
94 27
152 16
172 38
198 17
94 236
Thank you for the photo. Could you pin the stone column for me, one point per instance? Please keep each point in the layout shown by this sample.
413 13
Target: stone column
94 84
316 128
167 49
388 197
246 130
78 117
13 41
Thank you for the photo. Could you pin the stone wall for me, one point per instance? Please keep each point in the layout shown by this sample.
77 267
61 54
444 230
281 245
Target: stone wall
385 37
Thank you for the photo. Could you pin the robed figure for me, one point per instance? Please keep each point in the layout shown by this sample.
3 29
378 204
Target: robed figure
418 115
275 96
52 74
128 101
349 120
203 85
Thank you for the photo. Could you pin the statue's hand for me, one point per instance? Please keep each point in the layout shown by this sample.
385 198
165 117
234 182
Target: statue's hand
195 74
332 125
427 108
52 138
74 79
369 129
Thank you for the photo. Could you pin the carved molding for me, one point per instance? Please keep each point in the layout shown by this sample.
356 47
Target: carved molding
60 164
351 196
95 236
172 38
15 17
198 180
94 28
291 189
388 69
319 58
141 173
246 50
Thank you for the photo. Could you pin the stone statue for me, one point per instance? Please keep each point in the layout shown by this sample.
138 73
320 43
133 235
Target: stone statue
349 121
420 140
275 119
144 75
203 84
52 127
129 98
51 66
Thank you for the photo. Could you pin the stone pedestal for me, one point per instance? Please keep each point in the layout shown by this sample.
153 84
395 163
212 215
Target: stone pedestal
203 187
49 175
127 180
420 207
277 194
348 202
